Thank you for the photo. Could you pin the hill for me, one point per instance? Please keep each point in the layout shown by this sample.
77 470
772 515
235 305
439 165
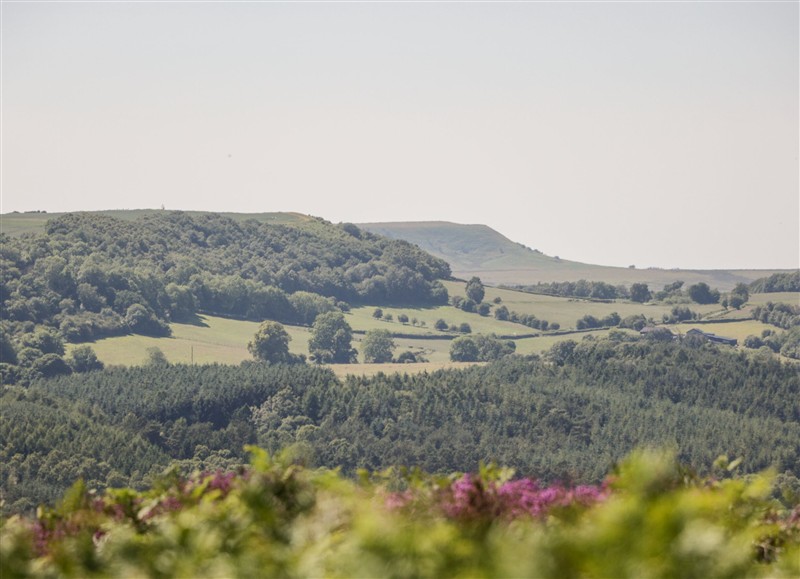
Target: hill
479 250
16 223
91 275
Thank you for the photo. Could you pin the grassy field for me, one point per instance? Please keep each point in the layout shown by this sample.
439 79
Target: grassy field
739 330
783 297
225 341
541 344
362 319
567 311
215 339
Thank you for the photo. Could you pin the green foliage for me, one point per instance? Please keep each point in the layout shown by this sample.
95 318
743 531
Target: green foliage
785 343
679 314
640 293
271 343
480 348
653 518
778 282
464 349
738 296
49 365
582 288
702 294
156 358
377 347
782 315
567 417
501 313
588 321
474 290
331 338
84 359
90 275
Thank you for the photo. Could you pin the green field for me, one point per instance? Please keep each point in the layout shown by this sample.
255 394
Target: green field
783 297
739 330
216 339
362 319
567 311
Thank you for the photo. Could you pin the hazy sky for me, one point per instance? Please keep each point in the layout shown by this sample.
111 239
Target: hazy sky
655 134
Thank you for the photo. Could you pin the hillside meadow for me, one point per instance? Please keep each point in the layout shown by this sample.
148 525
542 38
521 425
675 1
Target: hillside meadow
212 339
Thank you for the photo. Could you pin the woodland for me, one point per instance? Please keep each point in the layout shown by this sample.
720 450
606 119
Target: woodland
538 443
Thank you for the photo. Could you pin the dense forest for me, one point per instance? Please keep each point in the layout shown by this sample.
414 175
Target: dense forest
568 416
174 264
91 276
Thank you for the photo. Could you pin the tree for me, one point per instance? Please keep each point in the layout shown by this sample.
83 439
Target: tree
270 343
465 328
377 347
141 320
402 318
155 357
739 296
561 352
331 338
45 340
640 293
501 313
474 290
702 294
377 314
491 348
84 359
464 349
8 353
50 365
440 325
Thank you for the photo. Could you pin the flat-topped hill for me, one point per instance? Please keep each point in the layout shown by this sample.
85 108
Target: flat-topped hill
480 250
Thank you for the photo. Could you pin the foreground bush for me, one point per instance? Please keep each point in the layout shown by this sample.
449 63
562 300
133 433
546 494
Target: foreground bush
650 519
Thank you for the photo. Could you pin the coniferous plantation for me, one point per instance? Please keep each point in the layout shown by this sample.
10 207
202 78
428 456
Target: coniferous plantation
277 466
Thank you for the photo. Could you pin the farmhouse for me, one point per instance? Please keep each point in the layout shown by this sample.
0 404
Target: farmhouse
712 337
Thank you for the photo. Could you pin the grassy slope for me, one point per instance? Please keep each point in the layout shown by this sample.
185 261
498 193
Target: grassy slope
482 251
215 339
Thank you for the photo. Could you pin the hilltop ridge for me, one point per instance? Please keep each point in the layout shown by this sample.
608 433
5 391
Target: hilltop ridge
479 250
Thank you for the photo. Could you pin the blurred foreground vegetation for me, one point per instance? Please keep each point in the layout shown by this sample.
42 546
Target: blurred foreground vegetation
650 518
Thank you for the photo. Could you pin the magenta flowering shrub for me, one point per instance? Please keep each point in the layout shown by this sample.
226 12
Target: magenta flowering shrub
474 498
278 519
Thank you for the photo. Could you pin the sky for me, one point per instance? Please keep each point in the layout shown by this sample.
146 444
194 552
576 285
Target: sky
660 134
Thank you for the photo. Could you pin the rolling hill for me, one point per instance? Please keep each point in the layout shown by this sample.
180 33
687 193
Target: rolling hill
480 250
469 249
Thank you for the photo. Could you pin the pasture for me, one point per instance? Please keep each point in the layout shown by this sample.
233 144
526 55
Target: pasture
567 311
214 339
